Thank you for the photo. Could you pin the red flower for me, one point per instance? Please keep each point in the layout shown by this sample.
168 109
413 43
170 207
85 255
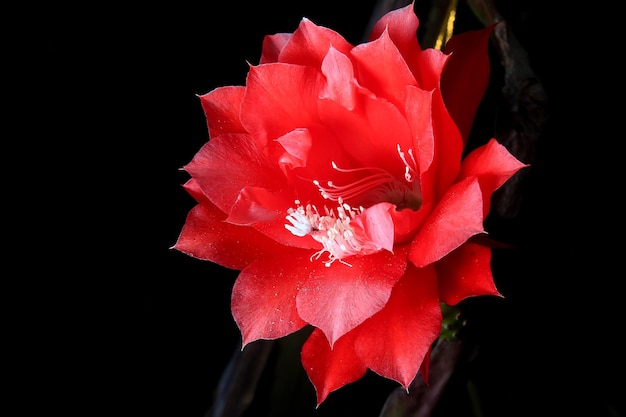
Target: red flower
334 180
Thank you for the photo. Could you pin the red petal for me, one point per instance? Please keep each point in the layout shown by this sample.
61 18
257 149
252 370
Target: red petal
466 272
466 76
227 164
402 24
306 154
448 147
457 217
263 299
419 115
427 68
406 223
442 143
330 369
425 367
280 98
493 165
221 107
395 341
370 133
206 236
382 69
193 188
338 298
378 225
272 45
266 211
297 145
258 205
337 68
310 43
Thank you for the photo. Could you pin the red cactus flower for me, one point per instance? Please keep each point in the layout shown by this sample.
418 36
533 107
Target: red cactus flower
334 180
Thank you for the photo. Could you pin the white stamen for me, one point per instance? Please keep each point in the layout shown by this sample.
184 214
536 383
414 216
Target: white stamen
409 168
375 185
300 225
334 230
377 177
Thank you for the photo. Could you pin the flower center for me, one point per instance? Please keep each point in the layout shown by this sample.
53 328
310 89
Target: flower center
339 235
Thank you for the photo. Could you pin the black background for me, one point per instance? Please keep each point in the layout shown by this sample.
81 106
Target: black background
121 323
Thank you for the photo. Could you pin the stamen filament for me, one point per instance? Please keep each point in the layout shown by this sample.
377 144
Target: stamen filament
334 192
409 169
